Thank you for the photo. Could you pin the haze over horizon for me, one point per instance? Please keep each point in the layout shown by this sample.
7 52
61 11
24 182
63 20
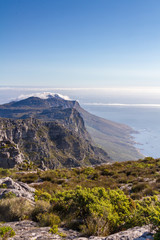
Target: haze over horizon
80 43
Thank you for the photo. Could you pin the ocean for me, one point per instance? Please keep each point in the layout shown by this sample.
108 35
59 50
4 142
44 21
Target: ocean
137 107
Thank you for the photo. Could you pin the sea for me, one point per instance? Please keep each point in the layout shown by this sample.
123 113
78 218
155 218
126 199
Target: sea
137 107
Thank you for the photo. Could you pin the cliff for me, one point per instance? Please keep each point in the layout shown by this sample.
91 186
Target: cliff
113 137
47 143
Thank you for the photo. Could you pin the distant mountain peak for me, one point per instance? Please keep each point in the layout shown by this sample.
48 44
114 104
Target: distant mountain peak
42 100
44 95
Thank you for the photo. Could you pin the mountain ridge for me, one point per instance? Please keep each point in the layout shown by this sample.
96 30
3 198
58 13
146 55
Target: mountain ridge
113 137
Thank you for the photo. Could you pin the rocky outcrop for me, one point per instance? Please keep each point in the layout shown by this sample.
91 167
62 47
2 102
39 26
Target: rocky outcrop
10 154
28 230
136 233
19 189
49 143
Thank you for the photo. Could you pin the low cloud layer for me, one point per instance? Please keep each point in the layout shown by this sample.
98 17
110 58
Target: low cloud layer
43 95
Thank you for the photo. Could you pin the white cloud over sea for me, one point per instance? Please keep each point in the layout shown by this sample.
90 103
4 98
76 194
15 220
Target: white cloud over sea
109 96
139 105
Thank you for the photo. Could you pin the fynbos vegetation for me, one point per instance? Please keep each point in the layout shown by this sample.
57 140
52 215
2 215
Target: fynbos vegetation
95 201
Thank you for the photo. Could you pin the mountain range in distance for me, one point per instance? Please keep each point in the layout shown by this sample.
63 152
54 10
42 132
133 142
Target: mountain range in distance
55 132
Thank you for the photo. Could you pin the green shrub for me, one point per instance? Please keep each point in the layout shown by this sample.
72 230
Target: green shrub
28 178
6 232
41 195
107 172
148 192
3 185
15 209
139 187
137 196
40 207
54 229
48 219
9 195
146 212
109 209
96 225
5 172
154 217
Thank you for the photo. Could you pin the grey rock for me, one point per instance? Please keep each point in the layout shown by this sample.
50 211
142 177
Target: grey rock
29 230
18 188
136 233
49 144
10 155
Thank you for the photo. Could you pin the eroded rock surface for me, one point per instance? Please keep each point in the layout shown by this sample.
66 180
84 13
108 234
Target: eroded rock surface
29 230
20 189
10 154
136 233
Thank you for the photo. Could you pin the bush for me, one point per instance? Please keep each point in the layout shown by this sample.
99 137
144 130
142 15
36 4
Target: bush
48 219
54 229
5 172
15 209
3 185
107 172
146 212
29 178
139 187
6 232
154 217
40 207
136 196
9 195
108 209
40 195
95 226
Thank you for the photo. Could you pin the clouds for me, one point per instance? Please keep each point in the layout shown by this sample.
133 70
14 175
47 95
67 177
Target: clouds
123 95
43 95
137 105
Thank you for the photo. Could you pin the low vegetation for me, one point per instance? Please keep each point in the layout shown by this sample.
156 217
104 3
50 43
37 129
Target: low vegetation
136 178
6 232
96 201
15 209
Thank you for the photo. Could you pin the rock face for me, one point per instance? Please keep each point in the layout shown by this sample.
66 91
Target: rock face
20 189
10 154
28 230
48 143
113 137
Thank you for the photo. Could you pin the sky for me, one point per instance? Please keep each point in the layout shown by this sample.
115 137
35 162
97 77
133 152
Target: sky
80 43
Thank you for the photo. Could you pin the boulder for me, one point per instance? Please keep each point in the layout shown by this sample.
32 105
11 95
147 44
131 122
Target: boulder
20 189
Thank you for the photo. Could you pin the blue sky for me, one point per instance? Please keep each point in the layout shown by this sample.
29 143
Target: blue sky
80 43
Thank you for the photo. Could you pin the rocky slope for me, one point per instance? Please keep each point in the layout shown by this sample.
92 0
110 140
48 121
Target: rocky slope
19 189
114 138
29 230
47 143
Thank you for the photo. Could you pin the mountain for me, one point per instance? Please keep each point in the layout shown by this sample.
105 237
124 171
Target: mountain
48 144
113 137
